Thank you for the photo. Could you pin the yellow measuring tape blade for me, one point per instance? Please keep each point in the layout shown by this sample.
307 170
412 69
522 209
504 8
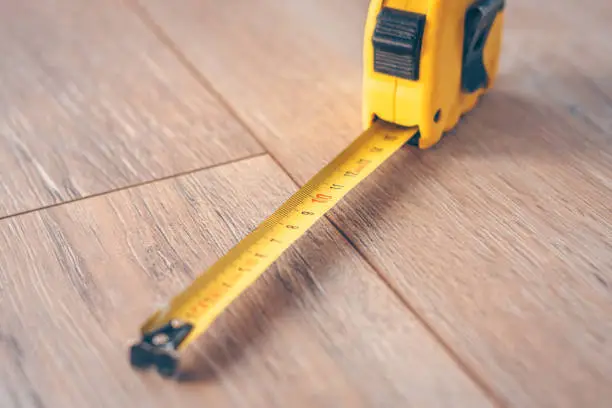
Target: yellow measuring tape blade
200 303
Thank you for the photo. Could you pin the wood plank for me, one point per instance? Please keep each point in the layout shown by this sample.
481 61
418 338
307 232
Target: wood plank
90 101
500 236
291 70
318 329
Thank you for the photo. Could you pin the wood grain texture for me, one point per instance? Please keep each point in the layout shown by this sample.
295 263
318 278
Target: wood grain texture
500 237
318 329
90 101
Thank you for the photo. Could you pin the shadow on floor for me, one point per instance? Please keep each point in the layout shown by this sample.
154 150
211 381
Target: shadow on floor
504 125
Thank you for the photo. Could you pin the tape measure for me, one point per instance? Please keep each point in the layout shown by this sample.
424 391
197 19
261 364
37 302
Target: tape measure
426 63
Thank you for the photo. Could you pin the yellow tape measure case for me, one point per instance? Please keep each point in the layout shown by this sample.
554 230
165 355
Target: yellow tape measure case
426 62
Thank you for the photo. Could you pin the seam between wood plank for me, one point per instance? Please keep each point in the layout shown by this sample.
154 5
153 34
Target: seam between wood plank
130 186
161 35
166 41
483 385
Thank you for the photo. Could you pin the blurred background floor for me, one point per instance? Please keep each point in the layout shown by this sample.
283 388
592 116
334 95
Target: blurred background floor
140 141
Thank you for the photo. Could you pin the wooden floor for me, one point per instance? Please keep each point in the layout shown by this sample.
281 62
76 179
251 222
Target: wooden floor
140 141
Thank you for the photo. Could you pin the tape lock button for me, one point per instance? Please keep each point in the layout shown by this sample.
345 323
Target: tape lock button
397 43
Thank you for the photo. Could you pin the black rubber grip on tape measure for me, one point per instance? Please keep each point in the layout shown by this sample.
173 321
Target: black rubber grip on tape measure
397 43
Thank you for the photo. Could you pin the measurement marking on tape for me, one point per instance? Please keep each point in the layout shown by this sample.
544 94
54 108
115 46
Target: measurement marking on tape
242 265
209 294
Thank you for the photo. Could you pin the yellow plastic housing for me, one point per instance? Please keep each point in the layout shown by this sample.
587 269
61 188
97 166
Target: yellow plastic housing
438 89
